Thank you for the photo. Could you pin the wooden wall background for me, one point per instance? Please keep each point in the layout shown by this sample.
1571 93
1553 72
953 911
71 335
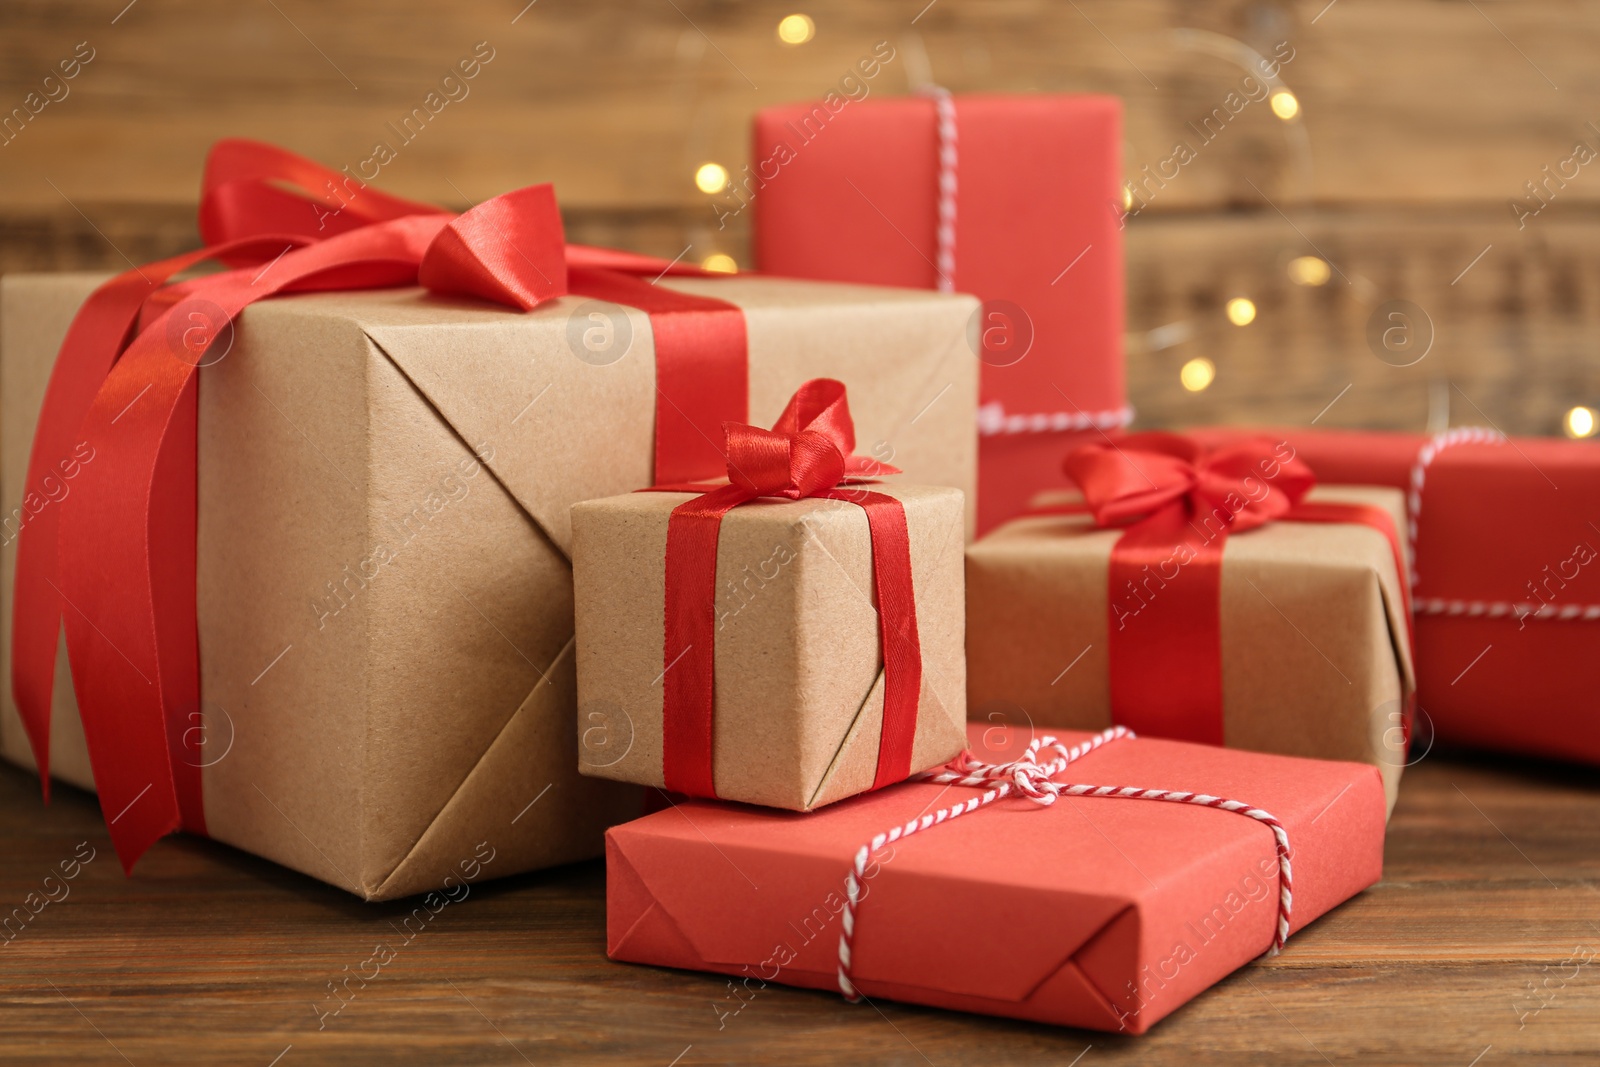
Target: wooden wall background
1421 121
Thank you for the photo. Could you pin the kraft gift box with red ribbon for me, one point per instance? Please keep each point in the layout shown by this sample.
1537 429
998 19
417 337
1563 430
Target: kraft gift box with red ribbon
789 637
1097 880
1505 538
310 553
1209 595
1015 198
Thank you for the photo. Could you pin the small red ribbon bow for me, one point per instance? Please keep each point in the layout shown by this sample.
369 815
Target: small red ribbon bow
1245 484
1177 503
809 452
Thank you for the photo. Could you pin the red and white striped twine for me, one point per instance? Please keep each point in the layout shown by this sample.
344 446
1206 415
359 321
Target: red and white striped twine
1032 779
1471 609
945 110
1463 435
994 420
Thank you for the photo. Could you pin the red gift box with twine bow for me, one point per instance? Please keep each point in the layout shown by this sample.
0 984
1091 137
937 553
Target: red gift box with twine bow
310 552
1100 884
790 637
1015 198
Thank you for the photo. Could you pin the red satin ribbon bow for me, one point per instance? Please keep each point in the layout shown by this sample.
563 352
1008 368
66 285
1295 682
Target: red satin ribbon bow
1179 503
114 561
809 452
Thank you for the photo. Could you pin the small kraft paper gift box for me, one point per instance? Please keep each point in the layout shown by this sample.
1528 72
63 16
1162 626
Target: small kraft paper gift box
1504 536
1095 880
789 638
1207 595
1015 198
310 553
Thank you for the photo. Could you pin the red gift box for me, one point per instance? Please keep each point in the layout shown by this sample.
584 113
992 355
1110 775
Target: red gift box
1505 537
1014 198
1106 912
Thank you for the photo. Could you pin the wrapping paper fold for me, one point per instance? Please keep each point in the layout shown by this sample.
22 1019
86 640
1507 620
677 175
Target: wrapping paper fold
1315 656
853 195
1104 913
799 676
384 593
1507 569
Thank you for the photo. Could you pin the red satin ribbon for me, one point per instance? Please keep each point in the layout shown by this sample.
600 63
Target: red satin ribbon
809 452
1179 504
114 562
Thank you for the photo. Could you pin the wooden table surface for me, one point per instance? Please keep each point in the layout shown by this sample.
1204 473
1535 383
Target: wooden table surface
1473 950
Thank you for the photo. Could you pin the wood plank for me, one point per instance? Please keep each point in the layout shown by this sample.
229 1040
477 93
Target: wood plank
211 955
618 101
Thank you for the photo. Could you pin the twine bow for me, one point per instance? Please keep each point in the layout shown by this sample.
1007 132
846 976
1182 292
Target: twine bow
1033 779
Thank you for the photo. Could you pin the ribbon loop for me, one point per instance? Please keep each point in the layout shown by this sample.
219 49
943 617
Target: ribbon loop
509 250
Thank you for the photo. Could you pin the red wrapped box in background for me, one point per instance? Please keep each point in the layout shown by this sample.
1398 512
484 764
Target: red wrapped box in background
1095 911
1013 198
1505 536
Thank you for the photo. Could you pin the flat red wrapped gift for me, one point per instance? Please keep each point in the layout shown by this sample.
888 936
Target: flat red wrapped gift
1015 198
1505 544
1107 912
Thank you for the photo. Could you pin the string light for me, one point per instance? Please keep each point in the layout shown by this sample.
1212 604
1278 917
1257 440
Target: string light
1309 270
1241 311
1581 422
720 262
1127 198
711 178
1284 105
1198 374
796 29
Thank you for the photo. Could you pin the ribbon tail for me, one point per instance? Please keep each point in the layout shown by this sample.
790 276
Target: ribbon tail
111 540
58 456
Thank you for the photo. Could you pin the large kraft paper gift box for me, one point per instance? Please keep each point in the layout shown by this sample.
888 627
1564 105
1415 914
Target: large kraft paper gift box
384 588
1098 911
1309 645
813 629
1016 198
1505 539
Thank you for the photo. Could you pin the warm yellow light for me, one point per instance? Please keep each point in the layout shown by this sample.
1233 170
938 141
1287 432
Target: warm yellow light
711 178
1197 374
1581 422
720 262
796 29
1241 311
1284 105
1127 198
1309 270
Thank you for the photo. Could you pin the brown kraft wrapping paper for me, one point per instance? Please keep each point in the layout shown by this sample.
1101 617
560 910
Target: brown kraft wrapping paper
799 674
1315 658
385 598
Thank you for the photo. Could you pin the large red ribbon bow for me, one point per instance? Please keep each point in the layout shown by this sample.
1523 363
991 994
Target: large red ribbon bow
809 452
1178 503
114 562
